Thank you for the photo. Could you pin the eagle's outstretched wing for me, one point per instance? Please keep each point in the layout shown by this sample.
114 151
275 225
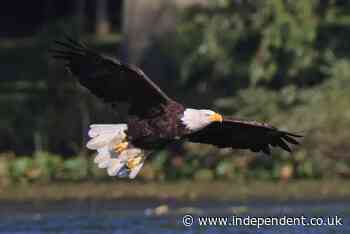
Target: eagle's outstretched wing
110 79
241 134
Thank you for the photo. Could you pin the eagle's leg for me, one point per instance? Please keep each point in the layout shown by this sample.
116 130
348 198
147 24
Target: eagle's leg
121 147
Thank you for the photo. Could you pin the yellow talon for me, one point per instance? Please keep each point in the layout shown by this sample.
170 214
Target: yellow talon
121 147
134 162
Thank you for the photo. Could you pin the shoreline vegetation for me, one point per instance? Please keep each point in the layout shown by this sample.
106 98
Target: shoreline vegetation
297 190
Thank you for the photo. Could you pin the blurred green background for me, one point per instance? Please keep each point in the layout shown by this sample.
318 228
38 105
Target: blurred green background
282 62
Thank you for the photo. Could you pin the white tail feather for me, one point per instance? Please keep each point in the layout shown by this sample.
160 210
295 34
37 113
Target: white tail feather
98 129
102 154
106 134
135 170
114 167
103 157
104 164
104 139
132 153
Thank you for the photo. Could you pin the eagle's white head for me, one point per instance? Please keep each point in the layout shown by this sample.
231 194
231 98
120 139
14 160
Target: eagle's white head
197 119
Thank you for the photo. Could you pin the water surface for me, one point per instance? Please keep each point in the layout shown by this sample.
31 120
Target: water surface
122 216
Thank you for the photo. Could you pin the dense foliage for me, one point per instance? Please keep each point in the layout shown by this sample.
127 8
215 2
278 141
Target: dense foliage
270 43
284 62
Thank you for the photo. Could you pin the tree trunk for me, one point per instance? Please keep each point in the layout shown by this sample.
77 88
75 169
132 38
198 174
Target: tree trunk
145 21
80 15
103 26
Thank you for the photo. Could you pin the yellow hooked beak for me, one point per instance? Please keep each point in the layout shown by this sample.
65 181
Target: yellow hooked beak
216 117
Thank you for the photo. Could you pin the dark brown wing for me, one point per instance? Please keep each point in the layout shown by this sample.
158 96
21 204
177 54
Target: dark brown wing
109 79
240 134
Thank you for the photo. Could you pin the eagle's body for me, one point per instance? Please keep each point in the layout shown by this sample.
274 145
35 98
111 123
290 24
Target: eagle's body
155 120
159 130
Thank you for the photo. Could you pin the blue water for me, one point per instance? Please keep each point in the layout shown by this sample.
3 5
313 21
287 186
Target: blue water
126 217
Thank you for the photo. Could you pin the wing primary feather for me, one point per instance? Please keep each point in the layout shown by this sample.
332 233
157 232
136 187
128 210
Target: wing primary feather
292 134
67 53
110 79
266 149
74 42
283 145
290 140
62 57
70 46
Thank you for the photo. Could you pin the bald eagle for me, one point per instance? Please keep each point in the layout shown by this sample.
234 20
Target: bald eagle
155 120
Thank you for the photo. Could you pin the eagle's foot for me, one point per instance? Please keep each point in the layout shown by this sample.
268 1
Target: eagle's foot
121 147
132 163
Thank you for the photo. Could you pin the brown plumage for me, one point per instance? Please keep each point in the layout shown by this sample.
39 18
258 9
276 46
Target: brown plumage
155 120
111 80
242 134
